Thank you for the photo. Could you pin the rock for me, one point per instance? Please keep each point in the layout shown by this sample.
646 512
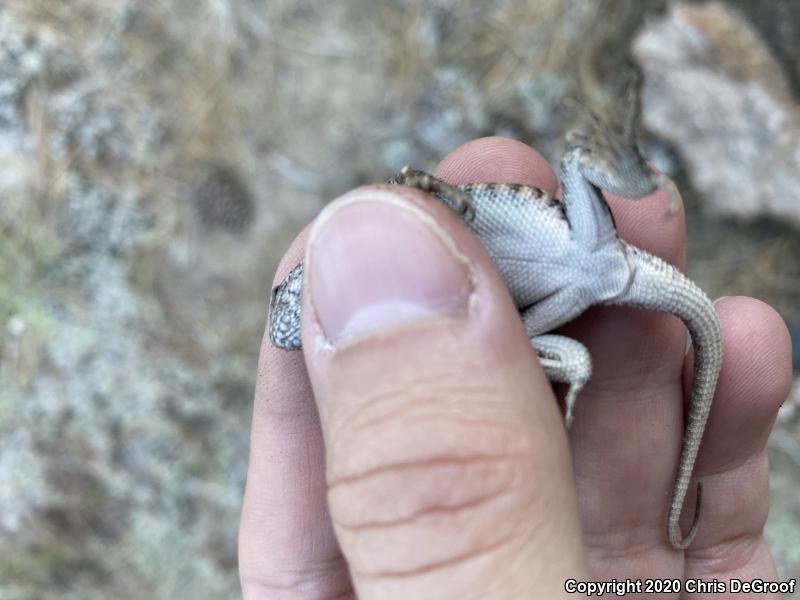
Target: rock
715 92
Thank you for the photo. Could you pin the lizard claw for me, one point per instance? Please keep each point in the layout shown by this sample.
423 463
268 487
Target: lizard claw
672 192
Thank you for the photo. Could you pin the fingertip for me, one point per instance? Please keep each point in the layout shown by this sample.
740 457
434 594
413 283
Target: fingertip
754 381
757 349
498 160
650 224
294 254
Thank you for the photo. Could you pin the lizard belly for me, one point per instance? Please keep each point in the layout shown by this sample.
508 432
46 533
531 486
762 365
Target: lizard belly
557 280
531 266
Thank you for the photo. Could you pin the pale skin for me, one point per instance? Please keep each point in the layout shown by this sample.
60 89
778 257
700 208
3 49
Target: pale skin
449 473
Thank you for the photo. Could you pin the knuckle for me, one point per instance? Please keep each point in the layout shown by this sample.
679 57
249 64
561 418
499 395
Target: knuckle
416 465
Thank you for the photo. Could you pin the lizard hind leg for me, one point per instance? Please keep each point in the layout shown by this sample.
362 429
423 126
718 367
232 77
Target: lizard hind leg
566 361
453 196
608 156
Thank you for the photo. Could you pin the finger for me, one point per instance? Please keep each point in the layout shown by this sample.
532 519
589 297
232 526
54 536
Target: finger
497 160
754 381
447 465
647 223
287 549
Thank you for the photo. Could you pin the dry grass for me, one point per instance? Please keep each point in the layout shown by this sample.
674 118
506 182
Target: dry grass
141 316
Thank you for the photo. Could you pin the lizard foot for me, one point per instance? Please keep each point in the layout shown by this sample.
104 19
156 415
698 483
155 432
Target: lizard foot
607 155
567 361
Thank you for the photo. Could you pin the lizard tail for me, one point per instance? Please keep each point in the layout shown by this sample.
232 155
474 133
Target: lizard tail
688 302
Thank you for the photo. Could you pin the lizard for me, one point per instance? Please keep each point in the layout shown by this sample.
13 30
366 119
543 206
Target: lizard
558 258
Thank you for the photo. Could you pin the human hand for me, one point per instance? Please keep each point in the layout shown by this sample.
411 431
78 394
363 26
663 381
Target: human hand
422 455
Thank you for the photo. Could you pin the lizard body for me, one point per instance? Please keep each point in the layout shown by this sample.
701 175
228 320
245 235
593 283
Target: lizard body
560 257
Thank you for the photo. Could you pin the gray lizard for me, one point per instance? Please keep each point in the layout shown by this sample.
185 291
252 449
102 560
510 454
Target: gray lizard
558 258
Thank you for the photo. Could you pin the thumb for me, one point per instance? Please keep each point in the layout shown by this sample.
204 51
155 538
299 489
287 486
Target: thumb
447 465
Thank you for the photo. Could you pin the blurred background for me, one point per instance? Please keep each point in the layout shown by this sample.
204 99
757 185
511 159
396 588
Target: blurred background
158 156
